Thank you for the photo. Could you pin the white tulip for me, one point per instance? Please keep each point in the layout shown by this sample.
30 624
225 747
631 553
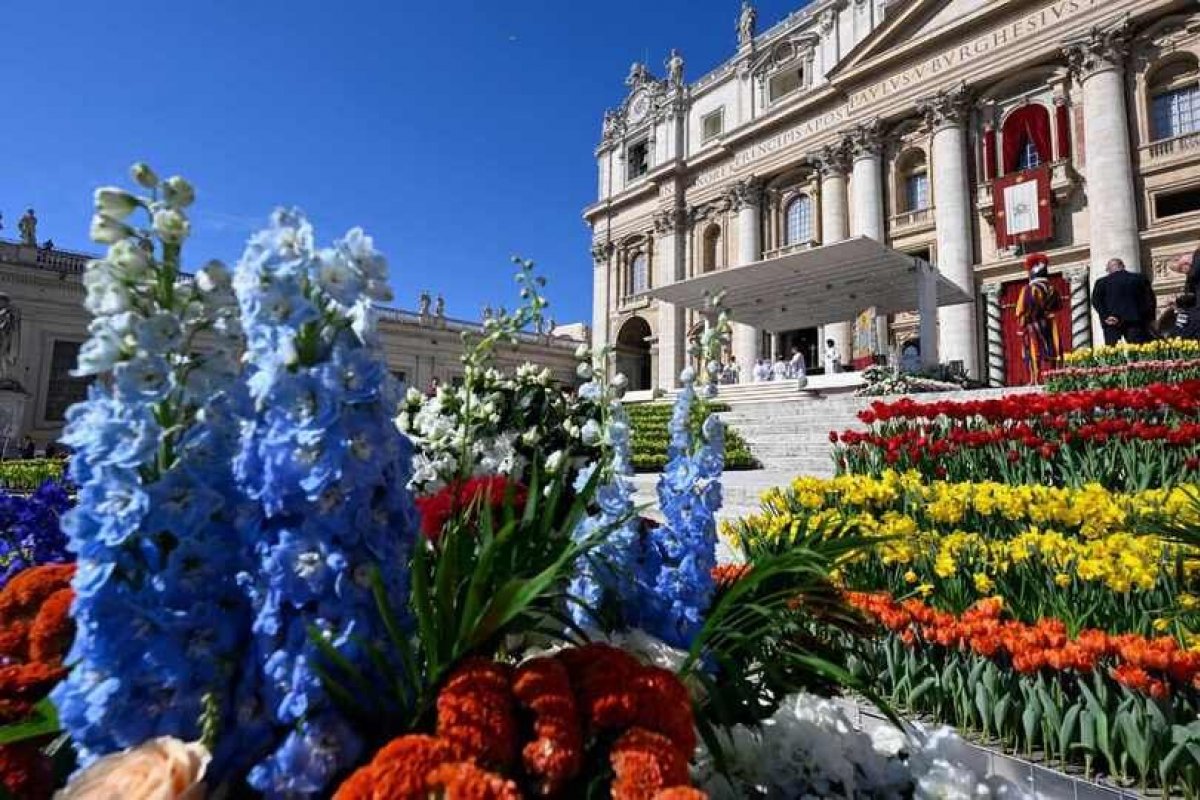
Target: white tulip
107 230
171 226
144 176
114 202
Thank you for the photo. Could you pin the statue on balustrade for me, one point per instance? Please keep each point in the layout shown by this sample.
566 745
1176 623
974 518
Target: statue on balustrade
747 24
28 228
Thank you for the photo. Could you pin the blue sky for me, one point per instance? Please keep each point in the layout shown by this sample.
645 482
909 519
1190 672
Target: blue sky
457 133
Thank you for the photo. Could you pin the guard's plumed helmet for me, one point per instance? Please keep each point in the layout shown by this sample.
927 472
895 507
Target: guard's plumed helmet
1036 263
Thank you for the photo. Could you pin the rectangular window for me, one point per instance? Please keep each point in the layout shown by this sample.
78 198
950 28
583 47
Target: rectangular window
640 274
64 389
1179 202
916 191
712 124
1176 112
786 82
637 157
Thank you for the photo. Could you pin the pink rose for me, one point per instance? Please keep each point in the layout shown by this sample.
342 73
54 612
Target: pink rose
160 769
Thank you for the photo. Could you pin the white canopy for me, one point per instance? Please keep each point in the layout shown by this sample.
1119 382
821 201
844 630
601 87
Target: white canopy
816 286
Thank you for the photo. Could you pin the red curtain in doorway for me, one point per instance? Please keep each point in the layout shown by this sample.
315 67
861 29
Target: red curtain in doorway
1033 123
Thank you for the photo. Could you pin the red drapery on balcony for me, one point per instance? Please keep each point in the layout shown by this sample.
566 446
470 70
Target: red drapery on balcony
1031 122
989 153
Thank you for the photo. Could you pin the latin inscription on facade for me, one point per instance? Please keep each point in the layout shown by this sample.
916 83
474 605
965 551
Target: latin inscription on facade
918 75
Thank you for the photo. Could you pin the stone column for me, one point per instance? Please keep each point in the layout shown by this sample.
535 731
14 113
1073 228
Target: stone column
995 334
602 279
672 347
927 310
1081 308
833 163
866 216
947 114
1098 62
746 199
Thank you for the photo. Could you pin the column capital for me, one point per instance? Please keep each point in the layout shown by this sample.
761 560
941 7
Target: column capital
865 140
949 108
746 193
1100 49
668 221
832 160
601 252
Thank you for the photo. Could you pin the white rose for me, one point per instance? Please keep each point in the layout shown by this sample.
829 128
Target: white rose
107 230
171 226
213 276
160 769
178 193
114 202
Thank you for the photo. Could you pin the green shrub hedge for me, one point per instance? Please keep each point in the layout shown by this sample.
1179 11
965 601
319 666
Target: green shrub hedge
650 435
28 474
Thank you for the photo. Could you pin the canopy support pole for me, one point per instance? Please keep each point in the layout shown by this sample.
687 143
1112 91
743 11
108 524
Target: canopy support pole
927 309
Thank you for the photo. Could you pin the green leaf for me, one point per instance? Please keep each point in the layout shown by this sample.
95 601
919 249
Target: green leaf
42 721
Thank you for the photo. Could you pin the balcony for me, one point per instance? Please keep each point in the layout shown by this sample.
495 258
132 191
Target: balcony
916 221
1064 180
788 249
1168 152
633 302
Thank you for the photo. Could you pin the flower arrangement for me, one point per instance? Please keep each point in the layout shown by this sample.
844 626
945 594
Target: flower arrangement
1124 439
257 613
31 529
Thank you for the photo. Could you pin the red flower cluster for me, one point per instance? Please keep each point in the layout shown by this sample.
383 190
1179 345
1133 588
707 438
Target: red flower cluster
726 575
1181 398
36 631
1142 664
580 692
416 767
466 497
543 689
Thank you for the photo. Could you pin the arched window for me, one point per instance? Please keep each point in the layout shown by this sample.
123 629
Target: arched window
1026 135
712 248
639 273
1175 99
914 181
799 219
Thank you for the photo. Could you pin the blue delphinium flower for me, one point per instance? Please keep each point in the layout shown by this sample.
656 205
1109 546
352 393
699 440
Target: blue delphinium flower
675 583
30 530
327 468
160 619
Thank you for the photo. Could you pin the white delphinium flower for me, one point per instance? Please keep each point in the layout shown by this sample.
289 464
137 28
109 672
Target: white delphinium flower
591 433
554 462
107 230
214 277
143 175
115 203
584 371
177 192
171 226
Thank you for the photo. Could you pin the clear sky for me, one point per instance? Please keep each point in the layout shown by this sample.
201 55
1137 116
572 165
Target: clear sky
457 133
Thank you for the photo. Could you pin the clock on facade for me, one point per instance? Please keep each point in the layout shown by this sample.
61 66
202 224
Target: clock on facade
639 107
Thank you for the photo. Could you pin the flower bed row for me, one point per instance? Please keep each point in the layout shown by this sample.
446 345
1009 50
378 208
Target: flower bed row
1159 350
1126 440
27 475
1122 705
1075 553
1122 376
650 436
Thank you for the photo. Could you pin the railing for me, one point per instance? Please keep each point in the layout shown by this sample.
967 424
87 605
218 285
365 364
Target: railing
916 218
459 325
788 249
62 261
632 301
1186 144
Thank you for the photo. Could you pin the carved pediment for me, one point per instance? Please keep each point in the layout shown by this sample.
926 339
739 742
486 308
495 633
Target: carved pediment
793 48
917 20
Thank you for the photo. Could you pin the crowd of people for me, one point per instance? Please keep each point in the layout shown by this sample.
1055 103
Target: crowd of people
793 368
1124 301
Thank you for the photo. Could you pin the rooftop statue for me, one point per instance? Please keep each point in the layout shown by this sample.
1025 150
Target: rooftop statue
747 24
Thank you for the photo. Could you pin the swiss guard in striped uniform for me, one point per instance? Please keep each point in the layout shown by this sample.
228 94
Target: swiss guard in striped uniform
1037 309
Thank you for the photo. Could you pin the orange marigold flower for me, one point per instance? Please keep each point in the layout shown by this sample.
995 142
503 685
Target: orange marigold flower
645 762
14 638
601 676
465 781
53 629
25 593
